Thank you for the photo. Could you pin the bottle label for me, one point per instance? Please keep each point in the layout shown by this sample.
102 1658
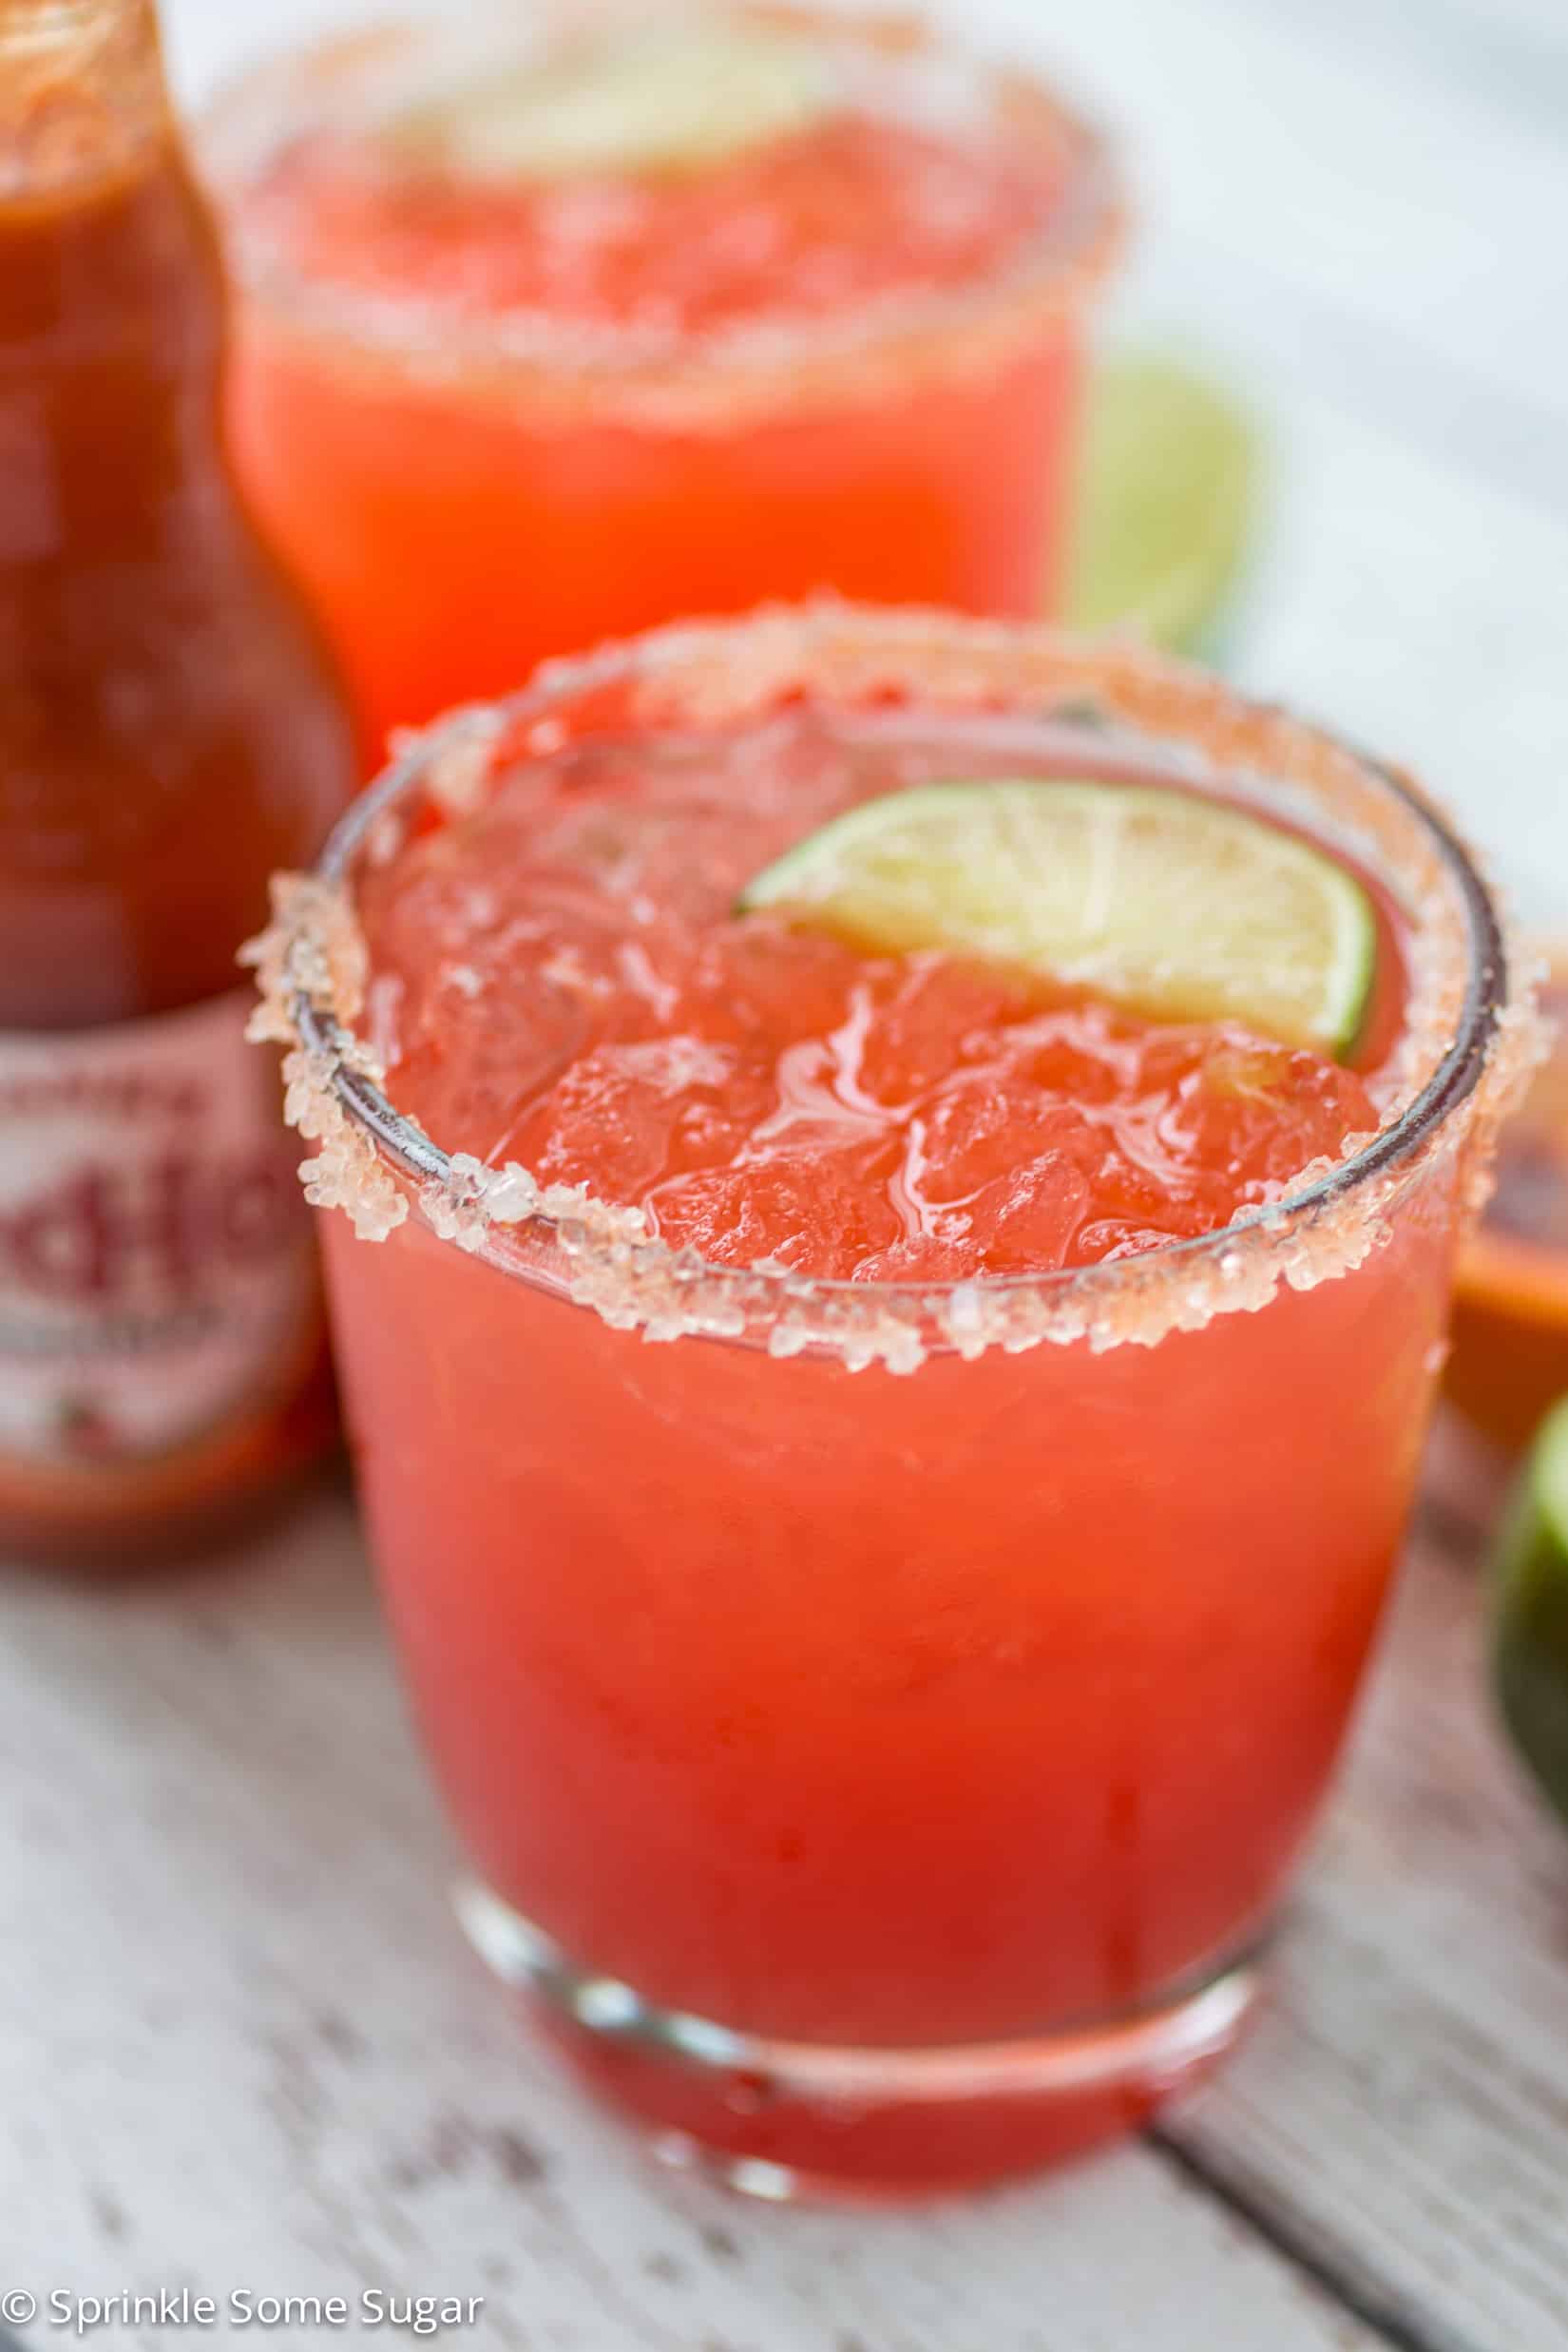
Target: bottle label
156 1271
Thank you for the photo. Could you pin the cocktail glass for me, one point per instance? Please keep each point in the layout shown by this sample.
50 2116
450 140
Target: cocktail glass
882 1721
466 492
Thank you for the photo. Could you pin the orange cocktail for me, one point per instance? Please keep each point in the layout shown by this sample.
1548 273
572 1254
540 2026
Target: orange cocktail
619 313
1509 1362
885 1468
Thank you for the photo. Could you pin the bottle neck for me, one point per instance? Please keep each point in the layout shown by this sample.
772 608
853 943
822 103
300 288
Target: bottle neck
83 96
111 290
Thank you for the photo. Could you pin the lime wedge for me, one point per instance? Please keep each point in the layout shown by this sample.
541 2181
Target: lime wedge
1180 906
661 99
1167 501
1530 1651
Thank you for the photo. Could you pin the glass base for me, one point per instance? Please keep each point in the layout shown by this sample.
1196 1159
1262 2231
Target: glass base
786 2120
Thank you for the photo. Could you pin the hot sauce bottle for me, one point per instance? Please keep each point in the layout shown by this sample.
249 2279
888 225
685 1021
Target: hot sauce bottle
170 733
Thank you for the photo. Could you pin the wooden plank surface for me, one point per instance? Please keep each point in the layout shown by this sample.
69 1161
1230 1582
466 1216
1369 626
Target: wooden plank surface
1401 2114
241 2042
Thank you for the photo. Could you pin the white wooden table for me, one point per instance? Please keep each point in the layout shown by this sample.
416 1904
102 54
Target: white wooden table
243 2047
240 2043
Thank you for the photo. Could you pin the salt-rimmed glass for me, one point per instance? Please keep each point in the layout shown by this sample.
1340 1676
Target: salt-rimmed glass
882 1719
466 492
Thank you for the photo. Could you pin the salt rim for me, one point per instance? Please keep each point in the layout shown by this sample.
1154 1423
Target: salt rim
1467 1053
688 382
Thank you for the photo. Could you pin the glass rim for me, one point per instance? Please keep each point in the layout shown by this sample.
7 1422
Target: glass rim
335 1057
1054 272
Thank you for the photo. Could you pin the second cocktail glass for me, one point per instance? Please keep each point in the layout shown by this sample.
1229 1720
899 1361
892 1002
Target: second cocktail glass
590 318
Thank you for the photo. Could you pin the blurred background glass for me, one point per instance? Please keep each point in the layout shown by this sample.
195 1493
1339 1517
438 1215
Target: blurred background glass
1349 206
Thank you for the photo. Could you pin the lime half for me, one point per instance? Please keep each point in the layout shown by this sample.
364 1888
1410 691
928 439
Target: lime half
665 99
1531 1637
1158 899
1167 500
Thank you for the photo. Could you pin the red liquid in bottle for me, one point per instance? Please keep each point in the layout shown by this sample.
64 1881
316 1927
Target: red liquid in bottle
170 733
